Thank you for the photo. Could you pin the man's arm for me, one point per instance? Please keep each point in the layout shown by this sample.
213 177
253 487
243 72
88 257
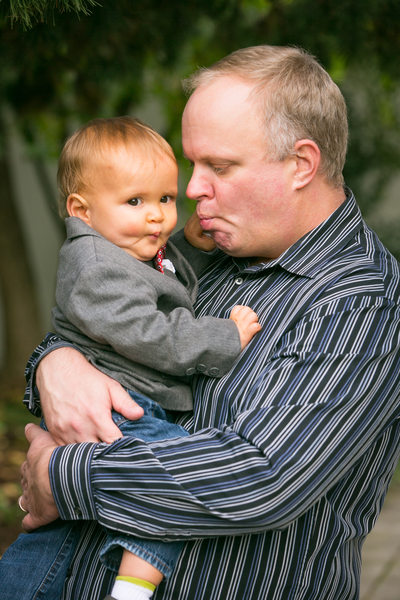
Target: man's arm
301 428
75 398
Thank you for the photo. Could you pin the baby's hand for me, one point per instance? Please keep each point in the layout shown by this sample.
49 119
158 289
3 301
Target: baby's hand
196 236
247 323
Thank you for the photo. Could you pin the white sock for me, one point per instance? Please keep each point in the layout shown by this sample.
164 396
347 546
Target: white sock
125 590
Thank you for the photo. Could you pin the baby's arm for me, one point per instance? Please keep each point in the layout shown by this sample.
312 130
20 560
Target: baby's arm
196 236
244 317
247 323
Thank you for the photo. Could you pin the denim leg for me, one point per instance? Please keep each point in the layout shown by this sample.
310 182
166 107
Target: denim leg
35 566
154 425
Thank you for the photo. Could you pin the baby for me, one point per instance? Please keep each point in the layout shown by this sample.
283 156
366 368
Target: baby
124 297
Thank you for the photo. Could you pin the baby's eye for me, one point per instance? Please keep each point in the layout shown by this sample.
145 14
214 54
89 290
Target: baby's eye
166 199
135 201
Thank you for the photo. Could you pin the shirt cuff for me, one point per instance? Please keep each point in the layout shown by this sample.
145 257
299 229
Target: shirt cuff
31 396
69 473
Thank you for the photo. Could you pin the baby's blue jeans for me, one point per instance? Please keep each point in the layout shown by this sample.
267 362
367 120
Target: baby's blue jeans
36 565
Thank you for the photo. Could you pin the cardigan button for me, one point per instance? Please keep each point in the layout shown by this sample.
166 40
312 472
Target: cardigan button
214 371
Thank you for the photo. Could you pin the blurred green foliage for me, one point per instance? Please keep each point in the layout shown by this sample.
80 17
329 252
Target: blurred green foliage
13 418
28 12
90 59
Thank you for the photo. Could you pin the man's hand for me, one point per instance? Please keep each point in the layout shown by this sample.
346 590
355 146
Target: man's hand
37 498
77 399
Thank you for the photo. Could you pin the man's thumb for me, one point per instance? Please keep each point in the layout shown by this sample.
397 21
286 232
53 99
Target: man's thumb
32 431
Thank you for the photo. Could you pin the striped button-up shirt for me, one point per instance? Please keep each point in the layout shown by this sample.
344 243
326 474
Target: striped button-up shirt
290 453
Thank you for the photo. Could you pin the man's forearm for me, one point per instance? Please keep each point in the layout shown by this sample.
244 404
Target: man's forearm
283 451
120 486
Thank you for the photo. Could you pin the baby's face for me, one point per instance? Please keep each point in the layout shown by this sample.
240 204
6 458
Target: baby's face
132 200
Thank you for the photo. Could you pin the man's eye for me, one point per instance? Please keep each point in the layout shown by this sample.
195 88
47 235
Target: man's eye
135 201
166 199
219 169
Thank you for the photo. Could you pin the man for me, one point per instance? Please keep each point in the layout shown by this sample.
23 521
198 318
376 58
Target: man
292 451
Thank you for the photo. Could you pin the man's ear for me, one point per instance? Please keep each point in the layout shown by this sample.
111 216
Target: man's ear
308 157
78 207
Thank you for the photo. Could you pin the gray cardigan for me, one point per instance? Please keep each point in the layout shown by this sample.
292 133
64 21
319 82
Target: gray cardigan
137 324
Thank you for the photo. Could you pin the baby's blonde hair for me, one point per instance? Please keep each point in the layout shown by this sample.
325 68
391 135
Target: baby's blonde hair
92 141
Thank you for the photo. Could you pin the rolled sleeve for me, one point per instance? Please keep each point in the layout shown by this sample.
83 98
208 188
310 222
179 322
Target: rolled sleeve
31 396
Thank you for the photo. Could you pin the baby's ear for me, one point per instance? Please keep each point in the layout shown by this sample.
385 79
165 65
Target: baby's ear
78 207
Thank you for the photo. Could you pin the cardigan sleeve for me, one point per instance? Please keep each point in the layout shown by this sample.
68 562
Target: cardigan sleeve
141 326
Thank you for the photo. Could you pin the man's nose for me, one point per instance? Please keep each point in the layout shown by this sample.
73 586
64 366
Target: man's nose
199 187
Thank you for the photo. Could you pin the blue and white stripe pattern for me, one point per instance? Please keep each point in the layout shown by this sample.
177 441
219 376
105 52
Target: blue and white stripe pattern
291 452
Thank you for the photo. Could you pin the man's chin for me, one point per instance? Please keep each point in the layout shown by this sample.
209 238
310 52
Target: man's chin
230 251
223 242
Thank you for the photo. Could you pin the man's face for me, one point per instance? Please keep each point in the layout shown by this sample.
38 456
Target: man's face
244 200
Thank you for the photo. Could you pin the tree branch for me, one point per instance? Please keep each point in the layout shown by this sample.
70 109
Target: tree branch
29 12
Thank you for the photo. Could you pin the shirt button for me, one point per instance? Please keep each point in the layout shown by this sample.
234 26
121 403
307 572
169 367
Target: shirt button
190 371
77 511
239 280
201 368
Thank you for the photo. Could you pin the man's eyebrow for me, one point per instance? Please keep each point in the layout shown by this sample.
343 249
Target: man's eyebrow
212 159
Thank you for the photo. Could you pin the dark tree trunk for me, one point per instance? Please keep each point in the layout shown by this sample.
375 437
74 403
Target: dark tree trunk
17 289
